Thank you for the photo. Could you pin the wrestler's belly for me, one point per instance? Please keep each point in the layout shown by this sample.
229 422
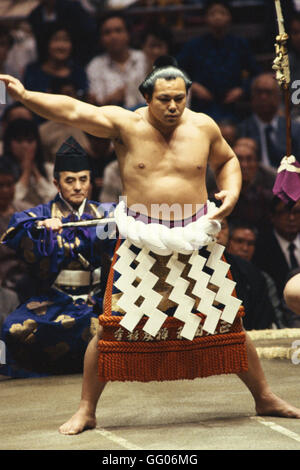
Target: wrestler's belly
167 198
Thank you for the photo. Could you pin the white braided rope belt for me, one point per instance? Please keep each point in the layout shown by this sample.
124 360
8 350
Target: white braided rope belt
165 241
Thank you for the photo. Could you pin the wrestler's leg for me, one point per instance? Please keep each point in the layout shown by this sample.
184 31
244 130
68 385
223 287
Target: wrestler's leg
85 417
266 402
292 294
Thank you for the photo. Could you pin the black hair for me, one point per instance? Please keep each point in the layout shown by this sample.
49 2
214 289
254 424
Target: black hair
164 67
210 3
52 29
6 34
161 32
24 128
113 14
235 224
7 167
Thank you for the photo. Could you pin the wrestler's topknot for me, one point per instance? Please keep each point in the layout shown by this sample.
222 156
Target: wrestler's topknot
164 67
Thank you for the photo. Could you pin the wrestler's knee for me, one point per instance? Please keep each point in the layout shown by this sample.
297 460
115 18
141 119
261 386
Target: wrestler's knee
291 294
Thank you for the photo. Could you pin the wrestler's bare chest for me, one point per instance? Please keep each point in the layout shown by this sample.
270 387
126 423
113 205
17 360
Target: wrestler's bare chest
164 168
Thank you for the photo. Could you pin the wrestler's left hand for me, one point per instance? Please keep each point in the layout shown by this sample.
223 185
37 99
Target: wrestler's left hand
228 202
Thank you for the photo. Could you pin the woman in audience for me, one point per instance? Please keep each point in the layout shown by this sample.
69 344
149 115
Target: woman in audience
21 143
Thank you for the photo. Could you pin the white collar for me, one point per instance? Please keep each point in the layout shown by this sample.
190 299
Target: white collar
77 212
261 124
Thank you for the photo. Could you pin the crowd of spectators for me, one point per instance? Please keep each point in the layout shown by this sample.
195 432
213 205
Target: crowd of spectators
63 48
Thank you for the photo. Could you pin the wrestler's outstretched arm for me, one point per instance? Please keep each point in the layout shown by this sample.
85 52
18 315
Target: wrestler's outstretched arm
102 121
226 167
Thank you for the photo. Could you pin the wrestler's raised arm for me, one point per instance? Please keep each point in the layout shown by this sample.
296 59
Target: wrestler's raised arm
226 167
102 121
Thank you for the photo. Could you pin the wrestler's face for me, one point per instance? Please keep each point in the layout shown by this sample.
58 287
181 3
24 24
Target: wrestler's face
74 186
168 101
242 243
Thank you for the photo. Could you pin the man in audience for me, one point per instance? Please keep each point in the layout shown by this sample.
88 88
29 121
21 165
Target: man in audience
114 76
241 242
278 249
50 331
257 185
265 124
219 63
251 285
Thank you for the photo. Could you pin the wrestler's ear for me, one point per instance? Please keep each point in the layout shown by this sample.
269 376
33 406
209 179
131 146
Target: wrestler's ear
147 98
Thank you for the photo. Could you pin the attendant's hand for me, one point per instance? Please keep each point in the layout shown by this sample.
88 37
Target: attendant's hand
227 206
54 224
14 87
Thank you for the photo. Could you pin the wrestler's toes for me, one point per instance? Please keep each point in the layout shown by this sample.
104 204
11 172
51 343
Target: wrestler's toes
77 424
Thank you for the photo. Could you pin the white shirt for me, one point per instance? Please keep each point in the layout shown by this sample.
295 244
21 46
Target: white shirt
284 245
106 76
261 127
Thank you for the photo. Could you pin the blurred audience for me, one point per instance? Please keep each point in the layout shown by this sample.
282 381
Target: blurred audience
22 145
266 125
251 287
12 270
241 242
278 248
257 184
119 66
80 23
56 63
53 134
156 41
112 184
23 50
219 63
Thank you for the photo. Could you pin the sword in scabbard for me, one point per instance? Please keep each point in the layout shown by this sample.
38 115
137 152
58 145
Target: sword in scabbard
85 223
282 69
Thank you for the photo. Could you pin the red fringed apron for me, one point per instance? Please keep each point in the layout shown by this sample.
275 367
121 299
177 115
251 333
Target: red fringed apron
137 356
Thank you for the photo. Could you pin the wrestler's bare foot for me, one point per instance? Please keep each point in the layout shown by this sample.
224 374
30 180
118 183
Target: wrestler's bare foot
78 423
271 405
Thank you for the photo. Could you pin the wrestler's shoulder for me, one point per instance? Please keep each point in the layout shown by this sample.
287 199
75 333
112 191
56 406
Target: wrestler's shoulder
201 120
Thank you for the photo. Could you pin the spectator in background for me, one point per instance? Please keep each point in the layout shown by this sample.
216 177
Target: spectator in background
278 249
241 242
12 270
22 145
229 131
265 124
251 287
156 41
111 72
219 64
23 50
53 134
56 63
257 185
79 22
16 110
